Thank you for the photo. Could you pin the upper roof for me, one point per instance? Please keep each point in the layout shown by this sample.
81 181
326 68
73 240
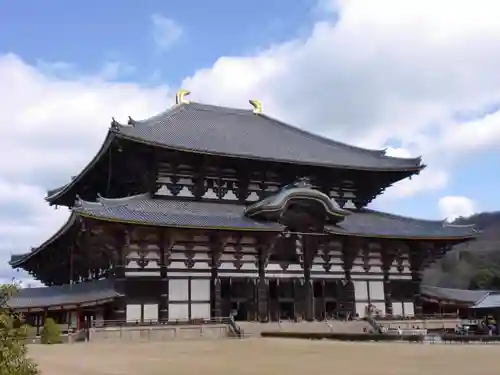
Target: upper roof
240 133
60 295
210 129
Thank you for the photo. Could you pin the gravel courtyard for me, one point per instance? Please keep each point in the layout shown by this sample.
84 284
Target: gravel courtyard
265 356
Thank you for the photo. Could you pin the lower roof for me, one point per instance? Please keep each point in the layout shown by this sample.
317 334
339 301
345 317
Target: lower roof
146 210
453 295
491 301
143 209
475 299
61 295
103 290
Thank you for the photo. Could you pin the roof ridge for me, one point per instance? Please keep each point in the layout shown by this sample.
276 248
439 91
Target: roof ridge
482 298
399 216
122 201
167 112
78 285
447 224
331 142
242 111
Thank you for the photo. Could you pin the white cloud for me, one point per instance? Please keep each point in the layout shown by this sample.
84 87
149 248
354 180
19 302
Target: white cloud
51 128
398 152
427 180
452 207
385 73
166 31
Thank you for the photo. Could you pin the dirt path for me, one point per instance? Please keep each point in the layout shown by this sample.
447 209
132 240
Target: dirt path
265 357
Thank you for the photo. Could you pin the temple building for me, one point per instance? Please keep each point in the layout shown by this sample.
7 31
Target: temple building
204 211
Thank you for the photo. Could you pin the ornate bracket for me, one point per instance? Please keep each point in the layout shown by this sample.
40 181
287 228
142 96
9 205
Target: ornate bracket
219 241
167 241
265 248
351 247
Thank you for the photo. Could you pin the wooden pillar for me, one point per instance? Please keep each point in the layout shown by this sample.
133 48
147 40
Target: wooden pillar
264 248
251 312
120 303
78 312
166 240
38 318
417 255
309 248
387 254
218 243
350 250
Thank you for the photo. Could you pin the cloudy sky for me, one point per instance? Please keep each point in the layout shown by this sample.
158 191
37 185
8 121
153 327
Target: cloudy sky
415 77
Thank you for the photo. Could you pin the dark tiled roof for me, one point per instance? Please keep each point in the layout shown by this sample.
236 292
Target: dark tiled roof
170 213
142 209
57 190
448 294
63 295
491 301
367 223
241 133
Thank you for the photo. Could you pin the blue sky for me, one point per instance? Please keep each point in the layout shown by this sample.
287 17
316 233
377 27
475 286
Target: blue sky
419 78
89 32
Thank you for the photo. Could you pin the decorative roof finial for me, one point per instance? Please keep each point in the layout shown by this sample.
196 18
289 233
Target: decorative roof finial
179 97
114 124
257 106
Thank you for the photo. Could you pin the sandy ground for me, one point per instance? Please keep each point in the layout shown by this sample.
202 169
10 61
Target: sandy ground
266 356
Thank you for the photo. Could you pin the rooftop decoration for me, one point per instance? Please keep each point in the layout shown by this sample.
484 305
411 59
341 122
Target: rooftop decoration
180 96
257 106
302 194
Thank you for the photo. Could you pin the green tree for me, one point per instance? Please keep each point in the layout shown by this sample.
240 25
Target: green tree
51 334
13 350
486 278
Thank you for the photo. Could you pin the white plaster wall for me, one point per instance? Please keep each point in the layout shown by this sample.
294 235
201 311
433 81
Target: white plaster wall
200 310
408 309
178 311
376 290
397 308
360 290
200 290
178 290
133 312
150 312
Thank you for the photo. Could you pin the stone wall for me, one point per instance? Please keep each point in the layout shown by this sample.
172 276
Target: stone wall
160 333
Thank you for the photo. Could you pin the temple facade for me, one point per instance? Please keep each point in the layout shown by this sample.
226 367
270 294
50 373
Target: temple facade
204 211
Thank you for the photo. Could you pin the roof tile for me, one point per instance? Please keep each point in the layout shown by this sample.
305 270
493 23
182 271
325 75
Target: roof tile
238 132
63 294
